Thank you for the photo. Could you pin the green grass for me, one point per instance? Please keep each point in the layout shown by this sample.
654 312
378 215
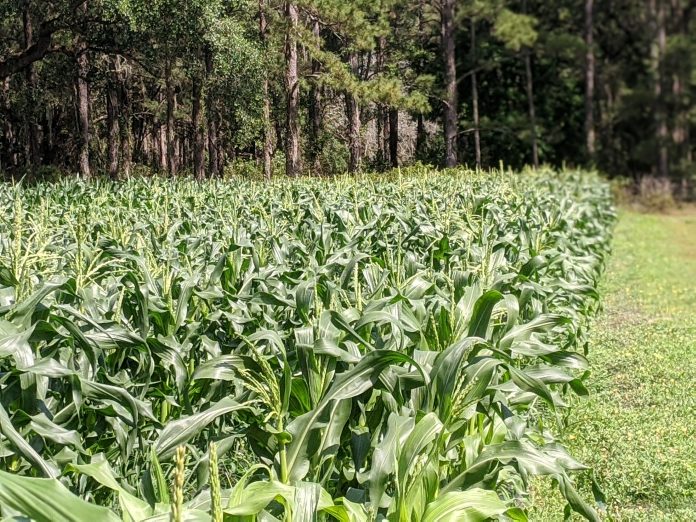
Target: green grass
638 428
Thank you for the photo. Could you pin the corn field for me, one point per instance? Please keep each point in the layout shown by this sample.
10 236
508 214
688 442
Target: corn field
395 348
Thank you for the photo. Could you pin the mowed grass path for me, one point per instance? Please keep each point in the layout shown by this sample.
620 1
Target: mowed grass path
638 427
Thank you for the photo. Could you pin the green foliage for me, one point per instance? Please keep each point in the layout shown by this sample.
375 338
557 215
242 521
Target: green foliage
382 346
515 30
166 63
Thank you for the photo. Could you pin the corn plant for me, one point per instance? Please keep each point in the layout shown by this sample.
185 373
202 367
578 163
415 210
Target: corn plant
375 348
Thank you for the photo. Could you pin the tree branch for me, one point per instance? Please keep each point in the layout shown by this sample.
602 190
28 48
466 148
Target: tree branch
41 47
35 52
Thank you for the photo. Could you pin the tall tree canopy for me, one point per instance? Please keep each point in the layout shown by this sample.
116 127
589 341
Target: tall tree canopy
195 87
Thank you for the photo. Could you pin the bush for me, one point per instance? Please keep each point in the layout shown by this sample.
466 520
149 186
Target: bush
650 193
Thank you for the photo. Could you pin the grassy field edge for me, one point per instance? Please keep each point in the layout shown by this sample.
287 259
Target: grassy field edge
636 430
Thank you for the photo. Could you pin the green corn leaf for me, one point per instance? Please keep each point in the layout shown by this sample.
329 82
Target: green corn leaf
22 312
423 434
23 447
178 432
384 458
530 383
257 495
100 471
43 426
47 500
524 331
160 481
474 505
223 368
481 315
306 502
345 386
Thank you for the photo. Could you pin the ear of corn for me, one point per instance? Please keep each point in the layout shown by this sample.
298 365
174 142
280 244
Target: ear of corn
368 348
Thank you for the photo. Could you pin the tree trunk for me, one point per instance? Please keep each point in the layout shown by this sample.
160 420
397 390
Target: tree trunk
315 106
292 86
82 89
33 129
680 134
421 136
680 78
662 130
532 109
267 163
450 116
147 138
8 141
213 164
590 136
382 134
221 151
159 159
657 51
475 97
379 153
163 147
353 117
423 38
384 137
113 131
382 110
278 124
171 142
112 120
354 149
315 124
144 142
183 149
394 138
48 143
145 134
197 124
126 124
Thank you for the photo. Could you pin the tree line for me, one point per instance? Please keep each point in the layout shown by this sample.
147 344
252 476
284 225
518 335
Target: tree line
195 87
